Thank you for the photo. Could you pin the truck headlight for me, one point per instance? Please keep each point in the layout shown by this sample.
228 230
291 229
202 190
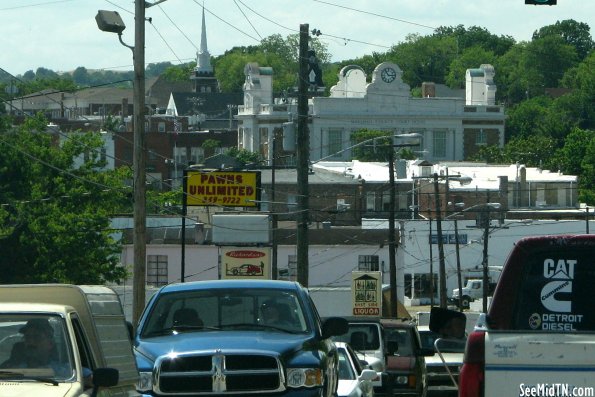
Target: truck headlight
145 382
304 377
402 380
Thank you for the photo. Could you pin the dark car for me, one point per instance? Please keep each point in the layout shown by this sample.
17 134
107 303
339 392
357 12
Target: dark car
405 359
219 338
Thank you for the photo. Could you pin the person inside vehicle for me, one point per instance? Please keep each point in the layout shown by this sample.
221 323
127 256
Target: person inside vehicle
37 350
271 315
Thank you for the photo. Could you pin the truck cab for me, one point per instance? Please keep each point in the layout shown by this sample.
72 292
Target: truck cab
64 340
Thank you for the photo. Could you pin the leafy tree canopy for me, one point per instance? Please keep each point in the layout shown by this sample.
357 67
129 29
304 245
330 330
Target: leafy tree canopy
55 214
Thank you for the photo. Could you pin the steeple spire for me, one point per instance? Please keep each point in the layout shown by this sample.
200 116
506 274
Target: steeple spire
203 58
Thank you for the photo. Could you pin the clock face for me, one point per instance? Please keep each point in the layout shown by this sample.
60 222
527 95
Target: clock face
388 75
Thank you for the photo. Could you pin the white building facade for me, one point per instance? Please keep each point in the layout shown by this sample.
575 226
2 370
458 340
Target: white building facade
452 128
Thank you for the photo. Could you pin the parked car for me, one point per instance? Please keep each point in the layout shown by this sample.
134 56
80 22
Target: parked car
405 358
354 379
366 338
444 365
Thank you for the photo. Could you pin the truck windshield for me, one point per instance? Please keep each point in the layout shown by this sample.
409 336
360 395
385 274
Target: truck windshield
364 336
229 309
34 346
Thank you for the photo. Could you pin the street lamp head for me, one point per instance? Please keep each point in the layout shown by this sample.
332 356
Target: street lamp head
110 21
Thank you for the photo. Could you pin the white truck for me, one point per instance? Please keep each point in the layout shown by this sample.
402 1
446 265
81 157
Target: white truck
538 337
471 291
64 340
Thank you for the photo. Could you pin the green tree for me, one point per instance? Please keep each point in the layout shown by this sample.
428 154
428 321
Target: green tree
476 36
245 156
55 216
576 34
424 58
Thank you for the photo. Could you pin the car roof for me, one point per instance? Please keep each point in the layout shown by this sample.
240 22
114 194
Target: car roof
230 284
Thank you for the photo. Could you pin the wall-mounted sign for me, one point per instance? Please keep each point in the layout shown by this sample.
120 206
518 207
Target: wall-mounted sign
222 188
366 289
245 262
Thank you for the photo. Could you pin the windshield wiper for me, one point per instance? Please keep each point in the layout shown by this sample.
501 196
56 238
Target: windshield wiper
22 376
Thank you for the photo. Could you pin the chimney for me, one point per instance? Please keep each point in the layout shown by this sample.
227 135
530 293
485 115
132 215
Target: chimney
428 90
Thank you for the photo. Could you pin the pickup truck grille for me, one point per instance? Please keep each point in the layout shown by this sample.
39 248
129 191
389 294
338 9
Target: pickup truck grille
217 373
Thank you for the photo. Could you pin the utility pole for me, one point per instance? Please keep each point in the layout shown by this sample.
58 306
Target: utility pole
303 154
459 277
431 268
442 266
391 237
139 165
274 219
486 235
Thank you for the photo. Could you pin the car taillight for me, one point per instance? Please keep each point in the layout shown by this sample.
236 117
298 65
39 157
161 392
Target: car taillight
471 377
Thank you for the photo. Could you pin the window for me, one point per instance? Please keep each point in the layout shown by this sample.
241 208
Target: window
197 155
368 263
156 270
481 139
335 143
439 144
370 201
161 126
180 156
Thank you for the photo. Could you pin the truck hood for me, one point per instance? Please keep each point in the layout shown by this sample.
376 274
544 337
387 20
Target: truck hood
278 342
31 388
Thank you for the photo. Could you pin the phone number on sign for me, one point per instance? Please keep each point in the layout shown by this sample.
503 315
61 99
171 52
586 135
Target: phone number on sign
221 200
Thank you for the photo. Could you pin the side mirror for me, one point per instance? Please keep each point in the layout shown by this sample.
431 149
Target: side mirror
448 323
368 374
104 377
334 326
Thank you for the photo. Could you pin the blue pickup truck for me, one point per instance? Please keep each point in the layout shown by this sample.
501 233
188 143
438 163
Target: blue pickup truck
236 337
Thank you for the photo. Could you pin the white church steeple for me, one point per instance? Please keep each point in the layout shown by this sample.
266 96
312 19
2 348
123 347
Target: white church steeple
203 58
203 74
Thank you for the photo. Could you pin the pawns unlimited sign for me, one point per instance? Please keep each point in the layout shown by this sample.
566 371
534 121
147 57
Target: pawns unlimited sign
245 262
222 188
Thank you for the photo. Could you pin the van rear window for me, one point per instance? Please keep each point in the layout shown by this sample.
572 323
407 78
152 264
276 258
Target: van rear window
557 290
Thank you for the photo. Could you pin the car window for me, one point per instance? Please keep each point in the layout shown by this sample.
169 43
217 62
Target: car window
402 336
556 292
365 336
345 368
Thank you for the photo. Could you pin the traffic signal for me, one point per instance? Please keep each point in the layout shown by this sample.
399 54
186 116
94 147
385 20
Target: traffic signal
542 2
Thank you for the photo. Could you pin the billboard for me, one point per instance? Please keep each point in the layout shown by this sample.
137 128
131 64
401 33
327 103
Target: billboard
246 262
366 290
222 188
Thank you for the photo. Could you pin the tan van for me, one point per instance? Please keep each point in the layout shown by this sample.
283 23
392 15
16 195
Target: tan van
64 340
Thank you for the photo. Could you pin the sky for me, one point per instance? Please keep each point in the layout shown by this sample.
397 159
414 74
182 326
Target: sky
62 35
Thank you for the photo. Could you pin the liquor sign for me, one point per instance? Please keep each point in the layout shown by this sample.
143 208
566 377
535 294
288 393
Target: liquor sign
222 188
246 262
366 290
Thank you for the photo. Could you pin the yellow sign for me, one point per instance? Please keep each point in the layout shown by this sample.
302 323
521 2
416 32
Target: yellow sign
367 293
245 262
222 188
